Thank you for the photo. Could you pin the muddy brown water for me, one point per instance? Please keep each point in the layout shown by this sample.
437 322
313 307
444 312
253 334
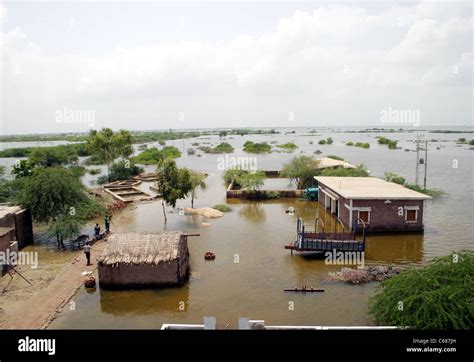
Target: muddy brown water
254 234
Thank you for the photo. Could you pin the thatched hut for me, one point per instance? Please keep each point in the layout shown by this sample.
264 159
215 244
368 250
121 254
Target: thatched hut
140 260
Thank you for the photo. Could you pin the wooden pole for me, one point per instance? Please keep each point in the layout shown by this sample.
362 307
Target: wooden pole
426 164
417 159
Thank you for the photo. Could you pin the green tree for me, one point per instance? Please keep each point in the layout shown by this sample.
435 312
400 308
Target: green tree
174 183
51 156
65 226
223 134
198 180
22 169
301 170
55 196
108 145
251 181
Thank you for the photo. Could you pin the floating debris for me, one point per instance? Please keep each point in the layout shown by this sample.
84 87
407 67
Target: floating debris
89 282
304 289
364 275
209 255
205 211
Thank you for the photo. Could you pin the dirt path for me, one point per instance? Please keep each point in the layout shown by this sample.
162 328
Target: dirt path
37 310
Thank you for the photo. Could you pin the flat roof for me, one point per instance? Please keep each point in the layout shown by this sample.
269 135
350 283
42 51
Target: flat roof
369 188
8 209
327 162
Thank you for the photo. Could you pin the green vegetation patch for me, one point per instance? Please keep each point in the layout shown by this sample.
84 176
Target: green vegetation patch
223 147
222 208
153 155
262 147
392 144
290 146
437 296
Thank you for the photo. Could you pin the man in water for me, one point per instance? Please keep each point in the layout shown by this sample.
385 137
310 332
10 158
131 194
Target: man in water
87 250
107 223
97 231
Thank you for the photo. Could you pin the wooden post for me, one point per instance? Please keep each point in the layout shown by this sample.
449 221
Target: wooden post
426 164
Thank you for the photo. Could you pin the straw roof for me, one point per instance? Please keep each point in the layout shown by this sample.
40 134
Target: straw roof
142 248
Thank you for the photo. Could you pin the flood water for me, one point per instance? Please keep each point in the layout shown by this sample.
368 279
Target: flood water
251 267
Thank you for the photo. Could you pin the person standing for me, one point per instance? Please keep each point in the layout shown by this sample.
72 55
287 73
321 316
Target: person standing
107 223
97 231
87 250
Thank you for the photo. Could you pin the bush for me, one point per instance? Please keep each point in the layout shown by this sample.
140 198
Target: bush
78 171
290 146
436 296
223 147
252 147
222 208
121 170
270 195
359 171
350 143
393 177
94 171
153 155
363 145
392 144
191 151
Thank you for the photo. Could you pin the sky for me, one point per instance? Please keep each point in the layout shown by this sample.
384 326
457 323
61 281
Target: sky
72 66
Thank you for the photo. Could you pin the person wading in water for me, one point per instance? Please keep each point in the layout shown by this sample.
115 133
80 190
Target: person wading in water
87 250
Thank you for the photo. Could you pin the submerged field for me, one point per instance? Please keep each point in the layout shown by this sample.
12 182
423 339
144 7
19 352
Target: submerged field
254 234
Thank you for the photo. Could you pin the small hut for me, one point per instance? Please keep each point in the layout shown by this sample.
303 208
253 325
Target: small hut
140 260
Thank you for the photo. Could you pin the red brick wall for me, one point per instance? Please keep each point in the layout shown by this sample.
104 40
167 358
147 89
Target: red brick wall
384 217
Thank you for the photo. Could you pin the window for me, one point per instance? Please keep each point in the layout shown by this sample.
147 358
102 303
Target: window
411 215
364 216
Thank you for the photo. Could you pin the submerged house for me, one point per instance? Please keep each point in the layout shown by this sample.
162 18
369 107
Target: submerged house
141 260
382 205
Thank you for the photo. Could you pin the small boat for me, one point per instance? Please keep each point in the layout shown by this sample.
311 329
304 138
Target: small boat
304 289
209 255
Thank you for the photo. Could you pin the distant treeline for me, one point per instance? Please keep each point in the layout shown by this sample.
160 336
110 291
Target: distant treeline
138 136
73 149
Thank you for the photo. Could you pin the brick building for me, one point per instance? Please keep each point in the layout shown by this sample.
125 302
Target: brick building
382 205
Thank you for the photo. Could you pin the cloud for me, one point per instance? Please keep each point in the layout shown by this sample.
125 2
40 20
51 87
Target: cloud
319 60
3 13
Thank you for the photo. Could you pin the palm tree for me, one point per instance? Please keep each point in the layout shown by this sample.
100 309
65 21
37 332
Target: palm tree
197 180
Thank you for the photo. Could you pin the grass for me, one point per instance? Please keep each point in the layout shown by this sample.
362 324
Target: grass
222 208
437 296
